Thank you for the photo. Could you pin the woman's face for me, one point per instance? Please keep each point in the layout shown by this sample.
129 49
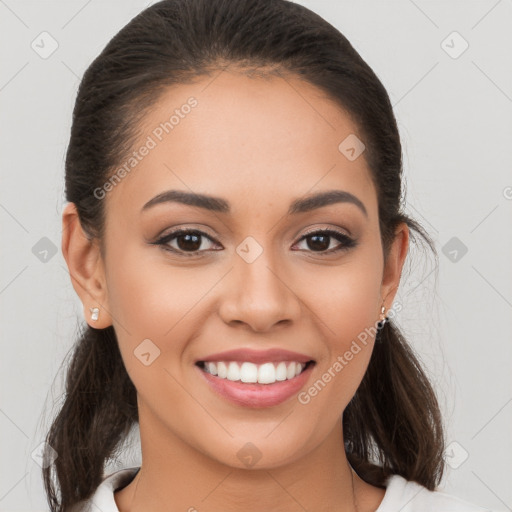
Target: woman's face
251 280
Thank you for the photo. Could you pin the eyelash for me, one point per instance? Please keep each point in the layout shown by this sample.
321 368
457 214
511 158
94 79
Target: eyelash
346 241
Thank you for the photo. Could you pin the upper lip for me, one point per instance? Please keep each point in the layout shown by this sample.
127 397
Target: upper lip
257 356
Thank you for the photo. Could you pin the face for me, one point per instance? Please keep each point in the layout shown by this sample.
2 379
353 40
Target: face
261 268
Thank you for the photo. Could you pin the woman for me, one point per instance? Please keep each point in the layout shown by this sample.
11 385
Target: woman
234 231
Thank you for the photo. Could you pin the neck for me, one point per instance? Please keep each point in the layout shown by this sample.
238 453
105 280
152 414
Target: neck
175 476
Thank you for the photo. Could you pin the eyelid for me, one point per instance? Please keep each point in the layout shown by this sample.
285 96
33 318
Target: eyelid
312 231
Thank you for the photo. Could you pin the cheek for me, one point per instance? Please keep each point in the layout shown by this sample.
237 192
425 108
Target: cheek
345 298
344 303
148 296
151 300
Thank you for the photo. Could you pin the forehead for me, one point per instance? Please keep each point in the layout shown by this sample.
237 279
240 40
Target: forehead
239 137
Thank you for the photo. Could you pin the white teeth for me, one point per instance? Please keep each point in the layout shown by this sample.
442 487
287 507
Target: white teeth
222 370
212 368
249 372
233 371
281 371
266 373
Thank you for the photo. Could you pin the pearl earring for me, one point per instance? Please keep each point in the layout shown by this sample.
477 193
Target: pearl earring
383 318
95 313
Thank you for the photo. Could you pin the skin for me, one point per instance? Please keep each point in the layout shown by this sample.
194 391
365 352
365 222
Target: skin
258 143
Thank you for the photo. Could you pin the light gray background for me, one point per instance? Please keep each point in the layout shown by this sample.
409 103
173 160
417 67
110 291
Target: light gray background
455 120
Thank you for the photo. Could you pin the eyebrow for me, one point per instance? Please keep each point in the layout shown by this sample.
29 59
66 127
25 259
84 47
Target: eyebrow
217 204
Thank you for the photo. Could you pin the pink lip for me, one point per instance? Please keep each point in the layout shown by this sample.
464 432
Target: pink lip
257 395
257 356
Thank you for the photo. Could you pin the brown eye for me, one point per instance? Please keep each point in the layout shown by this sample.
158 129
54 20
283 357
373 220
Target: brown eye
187 241
320 241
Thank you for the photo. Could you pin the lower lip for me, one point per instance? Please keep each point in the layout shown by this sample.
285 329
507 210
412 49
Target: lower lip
257 395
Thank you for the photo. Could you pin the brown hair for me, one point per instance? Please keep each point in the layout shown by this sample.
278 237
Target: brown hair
393 423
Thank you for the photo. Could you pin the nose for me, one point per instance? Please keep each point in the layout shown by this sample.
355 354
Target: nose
259 296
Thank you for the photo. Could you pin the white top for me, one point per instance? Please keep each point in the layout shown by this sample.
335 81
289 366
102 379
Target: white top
401 495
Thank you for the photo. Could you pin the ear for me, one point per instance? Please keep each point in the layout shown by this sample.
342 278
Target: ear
394 264
85 266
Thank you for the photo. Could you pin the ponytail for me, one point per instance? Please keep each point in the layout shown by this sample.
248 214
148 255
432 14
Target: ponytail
99 408
394 418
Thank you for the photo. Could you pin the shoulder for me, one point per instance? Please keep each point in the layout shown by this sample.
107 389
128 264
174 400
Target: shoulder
103 497
408 496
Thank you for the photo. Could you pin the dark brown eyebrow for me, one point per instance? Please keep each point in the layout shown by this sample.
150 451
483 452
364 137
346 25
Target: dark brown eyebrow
217 204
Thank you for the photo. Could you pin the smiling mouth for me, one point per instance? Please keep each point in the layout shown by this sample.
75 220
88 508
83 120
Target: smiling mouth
251 373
